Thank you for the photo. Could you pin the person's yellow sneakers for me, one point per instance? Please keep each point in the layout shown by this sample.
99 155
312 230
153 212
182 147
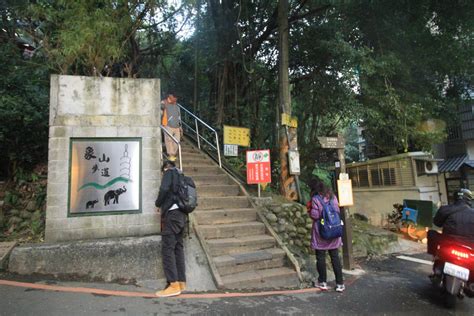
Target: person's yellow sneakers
182 286
173 289
172 158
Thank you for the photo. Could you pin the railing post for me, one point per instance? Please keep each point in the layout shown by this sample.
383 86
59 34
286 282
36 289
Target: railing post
197 133
218 150
196 119
180 160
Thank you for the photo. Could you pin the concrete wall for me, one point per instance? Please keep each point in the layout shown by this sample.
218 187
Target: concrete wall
376 204
102 107
428 187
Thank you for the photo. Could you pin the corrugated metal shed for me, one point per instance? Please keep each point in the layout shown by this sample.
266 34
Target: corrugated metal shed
455 163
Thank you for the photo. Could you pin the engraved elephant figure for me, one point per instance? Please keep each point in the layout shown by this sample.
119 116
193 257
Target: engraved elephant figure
91 204
113 194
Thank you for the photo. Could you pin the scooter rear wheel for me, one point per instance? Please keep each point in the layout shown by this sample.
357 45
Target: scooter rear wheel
450 300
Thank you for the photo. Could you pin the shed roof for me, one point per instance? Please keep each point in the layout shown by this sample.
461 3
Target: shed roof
455 163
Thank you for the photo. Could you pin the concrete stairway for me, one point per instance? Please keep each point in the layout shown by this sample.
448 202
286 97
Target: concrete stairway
241 251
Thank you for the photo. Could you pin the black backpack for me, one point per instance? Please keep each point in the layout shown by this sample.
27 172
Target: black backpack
186 195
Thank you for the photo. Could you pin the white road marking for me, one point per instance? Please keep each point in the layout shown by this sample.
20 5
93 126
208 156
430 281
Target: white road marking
415 260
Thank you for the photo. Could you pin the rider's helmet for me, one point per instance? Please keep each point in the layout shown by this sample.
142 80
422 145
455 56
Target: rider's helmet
465 195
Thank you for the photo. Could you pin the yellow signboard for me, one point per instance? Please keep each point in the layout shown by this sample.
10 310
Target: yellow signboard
237 136
344 188
290 121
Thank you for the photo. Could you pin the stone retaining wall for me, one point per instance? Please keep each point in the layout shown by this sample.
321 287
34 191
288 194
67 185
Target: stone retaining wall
293 224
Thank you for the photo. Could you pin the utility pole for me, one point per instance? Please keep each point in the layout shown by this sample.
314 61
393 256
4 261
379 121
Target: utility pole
288 135
196 56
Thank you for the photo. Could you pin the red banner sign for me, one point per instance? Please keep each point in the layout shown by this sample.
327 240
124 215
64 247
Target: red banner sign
258 166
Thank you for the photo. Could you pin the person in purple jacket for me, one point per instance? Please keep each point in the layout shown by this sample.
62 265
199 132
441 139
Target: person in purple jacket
319 244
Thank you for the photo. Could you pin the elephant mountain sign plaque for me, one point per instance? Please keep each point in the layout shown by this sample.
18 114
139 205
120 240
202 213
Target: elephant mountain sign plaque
104 176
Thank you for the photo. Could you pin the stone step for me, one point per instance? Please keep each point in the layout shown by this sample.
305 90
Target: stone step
256 260
202 170
226 246
194 155
189 150
218 190
195 167
220 202
267 278
232 230
226 216
190 162
212 179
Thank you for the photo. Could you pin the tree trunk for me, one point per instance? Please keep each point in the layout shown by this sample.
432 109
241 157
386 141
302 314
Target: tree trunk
287 135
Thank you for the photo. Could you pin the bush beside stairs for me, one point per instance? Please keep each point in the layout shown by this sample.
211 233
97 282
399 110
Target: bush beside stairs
241 250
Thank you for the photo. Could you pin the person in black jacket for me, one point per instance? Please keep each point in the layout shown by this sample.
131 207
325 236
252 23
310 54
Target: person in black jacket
457 220
172 229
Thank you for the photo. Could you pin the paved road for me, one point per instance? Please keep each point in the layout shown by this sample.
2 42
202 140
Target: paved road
391 286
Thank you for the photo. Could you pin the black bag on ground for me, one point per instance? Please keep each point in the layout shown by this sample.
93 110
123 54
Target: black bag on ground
186 194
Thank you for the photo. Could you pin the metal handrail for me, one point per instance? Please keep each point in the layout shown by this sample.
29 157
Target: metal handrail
177 142
198 136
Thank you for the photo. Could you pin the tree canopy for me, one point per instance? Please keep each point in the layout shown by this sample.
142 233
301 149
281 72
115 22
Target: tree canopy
391 67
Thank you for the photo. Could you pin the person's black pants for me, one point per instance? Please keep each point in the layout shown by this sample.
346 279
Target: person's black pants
173 257
172 250
336 265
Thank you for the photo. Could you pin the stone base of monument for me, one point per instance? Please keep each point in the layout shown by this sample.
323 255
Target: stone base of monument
124 260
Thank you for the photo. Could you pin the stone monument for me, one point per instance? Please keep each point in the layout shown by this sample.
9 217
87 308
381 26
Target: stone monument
104 158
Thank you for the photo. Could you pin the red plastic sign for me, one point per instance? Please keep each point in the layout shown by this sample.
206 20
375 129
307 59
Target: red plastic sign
258 166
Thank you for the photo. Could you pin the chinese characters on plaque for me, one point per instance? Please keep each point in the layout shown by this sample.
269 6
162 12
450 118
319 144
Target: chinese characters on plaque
234 135
104 175
258 166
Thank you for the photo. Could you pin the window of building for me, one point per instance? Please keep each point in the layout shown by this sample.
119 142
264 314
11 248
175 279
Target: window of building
375 176
384 174
363 178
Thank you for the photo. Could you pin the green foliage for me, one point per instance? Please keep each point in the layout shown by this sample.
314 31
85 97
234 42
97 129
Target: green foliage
22 176
81 37
413 70
237 163
388 65
36 227
305 191
40 197
11 198
108 38
23 109
351 150
324 175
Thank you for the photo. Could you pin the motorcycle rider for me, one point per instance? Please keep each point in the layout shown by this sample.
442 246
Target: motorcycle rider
457 220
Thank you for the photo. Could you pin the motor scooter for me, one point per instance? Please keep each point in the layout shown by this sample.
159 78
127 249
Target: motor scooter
453 266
